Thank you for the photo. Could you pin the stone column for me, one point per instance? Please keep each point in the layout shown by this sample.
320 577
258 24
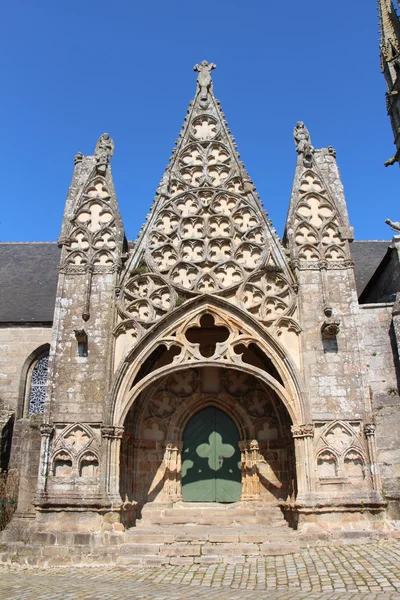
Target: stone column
173 471
46 431
369 431
303 436
112 441
250 480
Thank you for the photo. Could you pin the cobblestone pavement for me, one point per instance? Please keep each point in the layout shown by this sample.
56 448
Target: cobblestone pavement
369 571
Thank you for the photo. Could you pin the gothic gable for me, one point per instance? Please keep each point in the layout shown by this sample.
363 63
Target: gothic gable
207 232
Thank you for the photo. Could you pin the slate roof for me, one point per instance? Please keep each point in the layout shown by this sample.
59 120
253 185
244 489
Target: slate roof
28 281
29 271
367 255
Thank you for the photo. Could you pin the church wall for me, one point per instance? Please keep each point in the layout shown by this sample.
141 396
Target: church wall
381 364
331 367
16 344
80 381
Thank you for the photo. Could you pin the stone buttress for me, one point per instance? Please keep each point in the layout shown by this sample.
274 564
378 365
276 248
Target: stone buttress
92 240
318 237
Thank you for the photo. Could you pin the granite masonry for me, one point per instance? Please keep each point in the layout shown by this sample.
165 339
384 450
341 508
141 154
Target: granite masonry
208 373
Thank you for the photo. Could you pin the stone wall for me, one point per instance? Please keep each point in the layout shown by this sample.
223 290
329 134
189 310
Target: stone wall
17 343
331 368
381 364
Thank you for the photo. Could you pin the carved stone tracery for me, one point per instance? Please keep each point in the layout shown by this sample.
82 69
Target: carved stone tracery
75 452
341 452
207 233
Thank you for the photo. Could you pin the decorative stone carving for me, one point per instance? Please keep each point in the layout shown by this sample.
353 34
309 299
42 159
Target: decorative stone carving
302 139
302 431
315 223
204 79
93 240
207 243
369 429
145 298
75 453
78 158
208 233
268 296
250 480
341 452
327 464
394 225
103 153
330 327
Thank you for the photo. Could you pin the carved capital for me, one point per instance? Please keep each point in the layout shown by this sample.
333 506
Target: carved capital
46 429
323 264
110 432
174 447
303 431
369 429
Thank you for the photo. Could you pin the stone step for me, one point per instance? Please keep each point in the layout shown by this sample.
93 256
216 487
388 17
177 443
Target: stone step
211 514
200 534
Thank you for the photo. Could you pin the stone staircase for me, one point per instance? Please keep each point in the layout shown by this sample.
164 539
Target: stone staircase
209 514
178 534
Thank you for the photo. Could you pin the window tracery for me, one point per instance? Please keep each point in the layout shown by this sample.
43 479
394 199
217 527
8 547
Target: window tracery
38 383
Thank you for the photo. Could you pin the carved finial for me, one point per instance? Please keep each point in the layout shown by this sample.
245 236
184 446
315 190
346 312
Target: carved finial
332 151
204 77
395 225
103 153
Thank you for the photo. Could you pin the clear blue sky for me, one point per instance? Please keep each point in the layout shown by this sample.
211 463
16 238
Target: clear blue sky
73 70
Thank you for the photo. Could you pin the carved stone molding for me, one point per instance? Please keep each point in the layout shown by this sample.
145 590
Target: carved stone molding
303 431
111 432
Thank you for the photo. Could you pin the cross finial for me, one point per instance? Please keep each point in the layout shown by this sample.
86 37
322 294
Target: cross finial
204 76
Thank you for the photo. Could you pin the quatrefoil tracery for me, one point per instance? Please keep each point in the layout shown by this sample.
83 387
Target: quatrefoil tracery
146 298
208 242
316 224
267 296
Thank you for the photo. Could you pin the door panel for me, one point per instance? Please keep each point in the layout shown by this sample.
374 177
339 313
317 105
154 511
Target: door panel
211 458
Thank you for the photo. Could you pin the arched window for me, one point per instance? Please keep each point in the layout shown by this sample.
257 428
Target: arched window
37 382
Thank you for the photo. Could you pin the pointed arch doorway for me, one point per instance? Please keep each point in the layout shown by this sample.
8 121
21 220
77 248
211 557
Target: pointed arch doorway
211 467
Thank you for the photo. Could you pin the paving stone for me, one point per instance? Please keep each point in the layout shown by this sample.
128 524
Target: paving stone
337 572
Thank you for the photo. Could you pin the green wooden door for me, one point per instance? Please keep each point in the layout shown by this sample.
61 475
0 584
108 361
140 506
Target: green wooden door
211 458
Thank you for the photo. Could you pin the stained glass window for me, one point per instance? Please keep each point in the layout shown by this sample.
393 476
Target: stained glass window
38 386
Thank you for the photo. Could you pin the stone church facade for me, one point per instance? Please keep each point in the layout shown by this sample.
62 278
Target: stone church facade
209 361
